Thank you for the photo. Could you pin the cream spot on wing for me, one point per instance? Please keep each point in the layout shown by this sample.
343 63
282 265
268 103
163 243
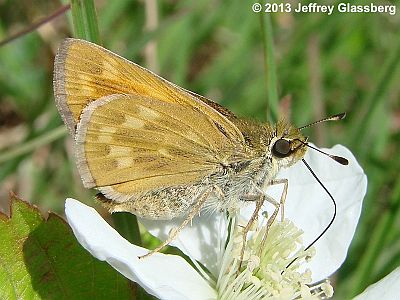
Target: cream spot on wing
148 113
164 152
133 122
112 70
84 77
192 136
104 138
118 151
108 129
124 162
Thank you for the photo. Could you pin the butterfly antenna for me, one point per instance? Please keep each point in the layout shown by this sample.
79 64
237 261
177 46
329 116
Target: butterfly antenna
333 217
339 159
337 117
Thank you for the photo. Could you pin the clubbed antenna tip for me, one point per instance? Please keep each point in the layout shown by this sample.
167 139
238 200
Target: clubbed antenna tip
337 117
340 160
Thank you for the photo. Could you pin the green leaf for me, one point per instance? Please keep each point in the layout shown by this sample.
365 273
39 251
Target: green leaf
41 259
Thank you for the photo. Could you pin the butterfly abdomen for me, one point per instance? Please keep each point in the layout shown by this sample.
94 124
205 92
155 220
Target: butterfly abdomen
159 204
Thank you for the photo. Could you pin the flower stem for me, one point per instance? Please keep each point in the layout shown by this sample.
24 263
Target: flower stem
77 19
270 67
85 20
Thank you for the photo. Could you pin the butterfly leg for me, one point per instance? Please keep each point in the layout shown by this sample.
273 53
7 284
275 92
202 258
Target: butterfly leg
175 231
277 205
259 202
259 199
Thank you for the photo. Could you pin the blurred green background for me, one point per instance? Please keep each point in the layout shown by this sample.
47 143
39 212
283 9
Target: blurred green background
323 65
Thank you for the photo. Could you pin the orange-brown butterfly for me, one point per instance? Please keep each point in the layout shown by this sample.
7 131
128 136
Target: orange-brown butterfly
159 151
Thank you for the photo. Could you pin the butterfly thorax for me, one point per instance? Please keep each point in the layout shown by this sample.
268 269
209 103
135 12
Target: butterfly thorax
240 182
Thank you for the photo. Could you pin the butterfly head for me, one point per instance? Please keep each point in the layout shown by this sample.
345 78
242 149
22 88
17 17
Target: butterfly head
288 145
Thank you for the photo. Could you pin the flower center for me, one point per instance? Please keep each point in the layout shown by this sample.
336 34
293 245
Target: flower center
275 271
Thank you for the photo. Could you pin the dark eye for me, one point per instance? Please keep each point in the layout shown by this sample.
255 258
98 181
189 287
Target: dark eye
281 148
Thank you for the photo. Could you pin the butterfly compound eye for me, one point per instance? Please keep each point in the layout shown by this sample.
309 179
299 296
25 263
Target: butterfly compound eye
281 148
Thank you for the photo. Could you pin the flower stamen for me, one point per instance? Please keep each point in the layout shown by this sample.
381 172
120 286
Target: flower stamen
263 273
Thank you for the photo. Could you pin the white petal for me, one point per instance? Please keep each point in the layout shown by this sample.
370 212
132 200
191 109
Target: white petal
201 240
311 209
164 276
387 288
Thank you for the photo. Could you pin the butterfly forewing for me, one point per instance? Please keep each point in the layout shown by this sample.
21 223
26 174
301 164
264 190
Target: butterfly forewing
85 72
134 144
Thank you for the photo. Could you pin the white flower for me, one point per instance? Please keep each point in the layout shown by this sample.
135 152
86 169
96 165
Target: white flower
307 206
